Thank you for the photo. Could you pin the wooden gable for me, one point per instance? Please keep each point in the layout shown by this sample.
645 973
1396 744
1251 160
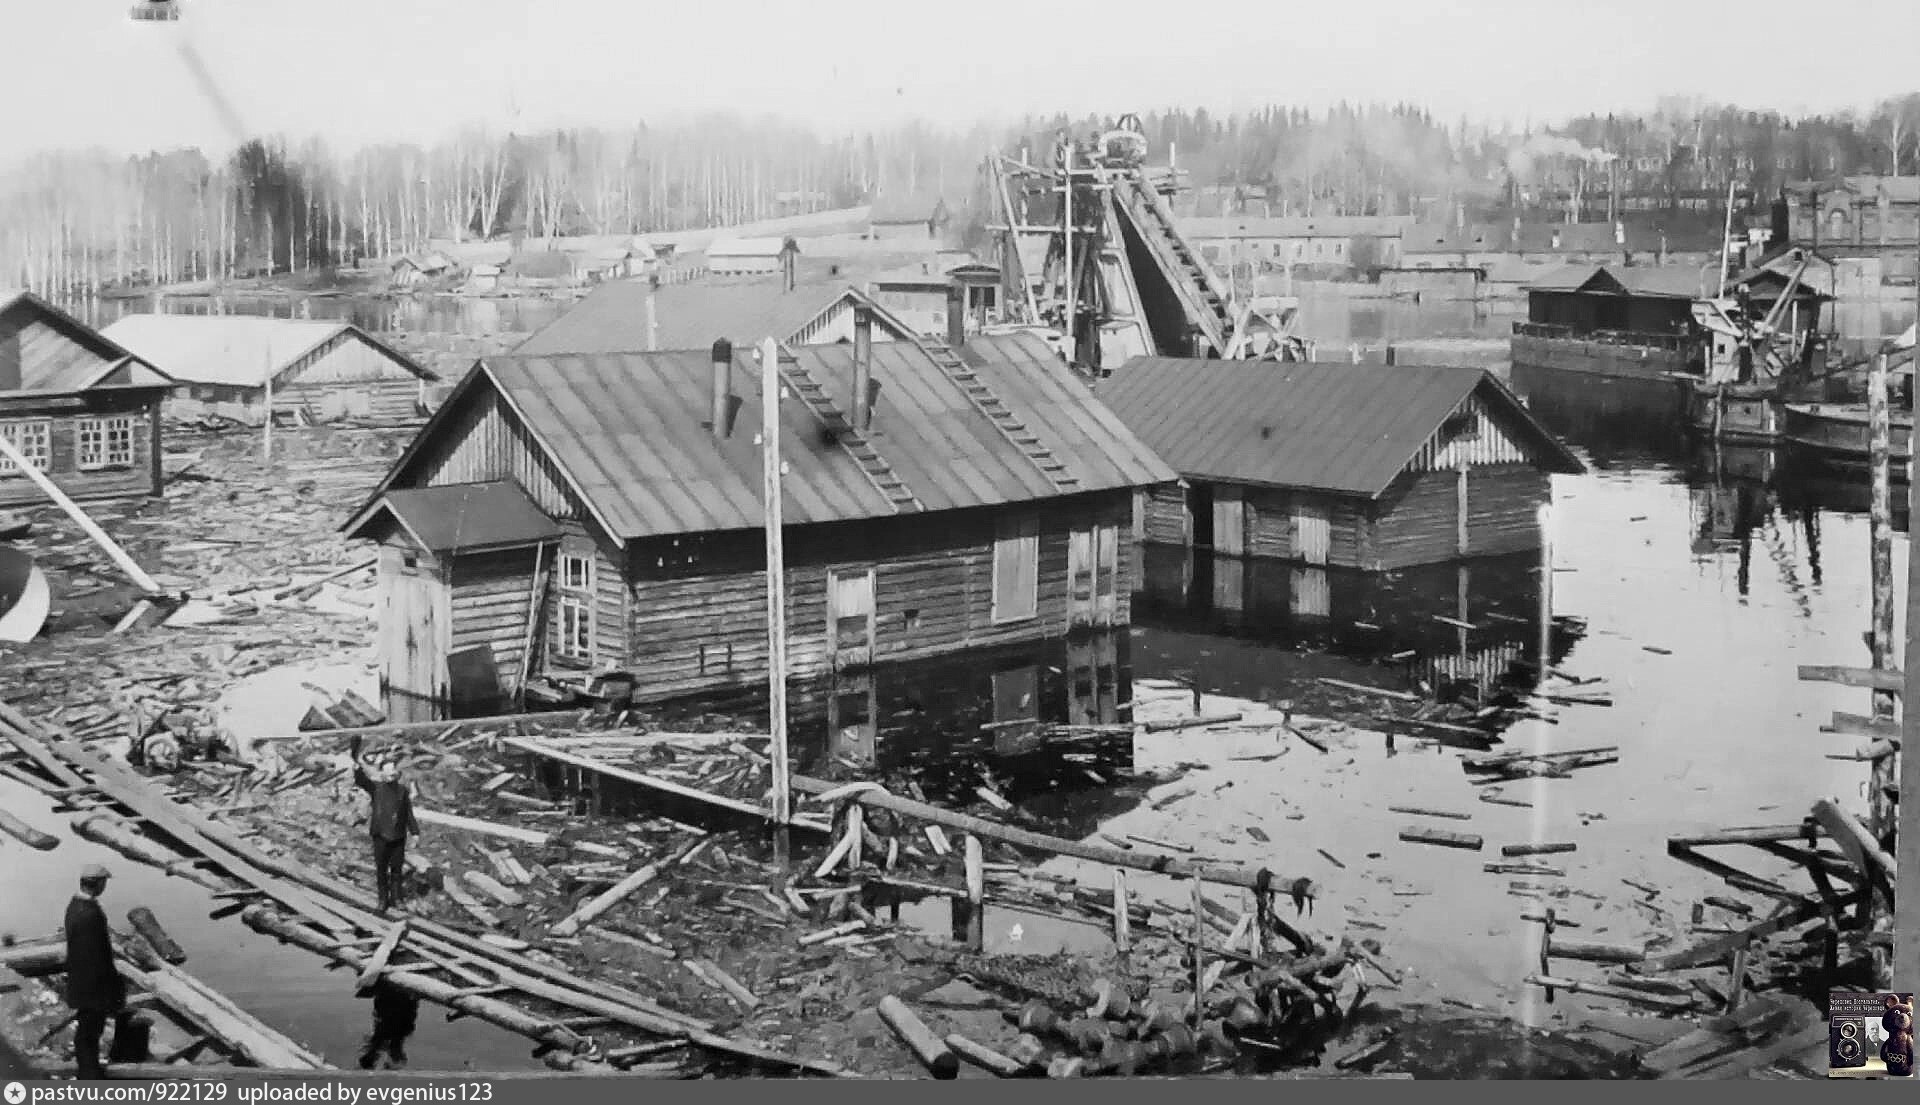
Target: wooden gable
1475 434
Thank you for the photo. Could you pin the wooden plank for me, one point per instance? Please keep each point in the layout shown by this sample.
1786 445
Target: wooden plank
491 887
376 963
487 828
1854 725
1720 948
1442 837
1870 678
542 748
1663 1002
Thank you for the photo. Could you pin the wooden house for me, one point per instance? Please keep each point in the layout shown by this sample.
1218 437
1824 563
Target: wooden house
1373 467
418 270
227 366
633 316
532 269
734 256
932 504
908 218
77 405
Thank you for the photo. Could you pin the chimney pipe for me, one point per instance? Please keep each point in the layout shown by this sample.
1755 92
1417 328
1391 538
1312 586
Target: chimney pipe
956 315
722 404
862 368
653 316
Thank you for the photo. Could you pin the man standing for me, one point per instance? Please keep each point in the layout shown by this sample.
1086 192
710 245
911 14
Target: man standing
389 822
95 989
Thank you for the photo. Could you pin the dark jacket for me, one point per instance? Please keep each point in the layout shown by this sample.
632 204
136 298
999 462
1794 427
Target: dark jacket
94 984
392 816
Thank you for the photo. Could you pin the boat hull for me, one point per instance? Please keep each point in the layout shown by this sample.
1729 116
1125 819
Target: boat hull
1598 358
1837 432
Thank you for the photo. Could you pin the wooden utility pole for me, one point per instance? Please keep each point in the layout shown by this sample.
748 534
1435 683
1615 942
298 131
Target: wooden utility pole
776 595
1066 227
1545 514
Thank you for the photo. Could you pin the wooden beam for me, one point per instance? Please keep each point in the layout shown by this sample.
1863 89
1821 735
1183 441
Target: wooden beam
613 771
1858 844
1906 927
376 964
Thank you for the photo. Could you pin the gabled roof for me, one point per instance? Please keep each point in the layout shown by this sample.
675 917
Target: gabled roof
752 247
1572 238
468 517
1341 428
625 431
1451 238
1294 226
906 209
613 318
540 264
236 350
115 366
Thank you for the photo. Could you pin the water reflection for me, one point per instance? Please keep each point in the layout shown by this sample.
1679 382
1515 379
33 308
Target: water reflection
1462 629
395 1013
1619 423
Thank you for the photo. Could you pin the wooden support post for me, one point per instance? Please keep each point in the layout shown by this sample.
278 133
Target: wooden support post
1880 524
976 868
1199 952
1122 923
856 835
1907 842
1545 514
1737 984
782 812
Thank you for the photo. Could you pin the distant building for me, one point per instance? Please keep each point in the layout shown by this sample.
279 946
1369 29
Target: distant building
77 405
752 255
1451 246
1856 211
482 279
1373 467
908 218
418 269
614 318
320 371
1354 242
541 268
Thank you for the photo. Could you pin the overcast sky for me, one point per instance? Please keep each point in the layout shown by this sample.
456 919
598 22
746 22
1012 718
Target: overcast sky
80 73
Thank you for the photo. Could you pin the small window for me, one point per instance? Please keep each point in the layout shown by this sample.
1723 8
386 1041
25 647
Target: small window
576 628
576 573
103 443
34 440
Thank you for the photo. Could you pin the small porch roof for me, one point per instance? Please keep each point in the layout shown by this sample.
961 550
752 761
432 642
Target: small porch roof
463 517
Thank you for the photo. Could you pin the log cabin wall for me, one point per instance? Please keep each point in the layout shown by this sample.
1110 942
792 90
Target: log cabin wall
95 445
1418 520
491 598
347 376
1163 515
697 618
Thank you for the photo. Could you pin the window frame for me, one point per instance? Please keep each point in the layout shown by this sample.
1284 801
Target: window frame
107 458
574 619
18 429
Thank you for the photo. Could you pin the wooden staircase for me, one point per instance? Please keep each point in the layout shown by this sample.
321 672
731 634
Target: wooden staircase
1187 273
878 471
986 402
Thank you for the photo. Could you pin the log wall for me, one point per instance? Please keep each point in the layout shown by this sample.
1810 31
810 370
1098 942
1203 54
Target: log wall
56 422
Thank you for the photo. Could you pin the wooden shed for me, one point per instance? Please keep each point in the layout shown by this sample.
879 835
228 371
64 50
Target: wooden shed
753 255
77 406
1362 466
980 499
227 365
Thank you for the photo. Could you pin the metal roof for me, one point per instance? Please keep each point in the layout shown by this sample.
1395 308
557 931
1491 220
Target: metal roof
1211 227
470 517
752 247
906 209
1638 281
627 433
1342 428
613 317
234 350
112 364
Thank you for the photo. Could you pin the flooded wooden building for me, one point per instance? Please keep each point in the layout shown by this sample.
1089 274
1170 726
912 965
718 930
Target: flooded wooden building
1359 466
933 504
1631 322
231 366
76 405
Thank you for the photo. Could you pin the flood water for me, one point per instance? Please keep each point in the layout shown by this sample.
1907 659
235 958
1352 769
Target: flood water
1690 585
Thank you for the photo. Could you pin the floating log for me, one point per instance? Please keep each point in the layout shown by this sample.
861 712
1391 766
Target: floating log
491 887
1511 850
237 1030
1113 857
1442 837
614 896
1871 678
1191 722
727 982
27 834
1536 869
932 1052
1854 839
1759 834
1155 842
1420 811
123 837
1486 761
1364 689
148 926
983 1057
614 771
35 958
1593 951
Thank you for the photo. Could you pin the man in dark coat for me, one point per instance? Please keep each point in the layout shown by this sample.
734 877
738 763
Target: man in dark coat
95 989
389 823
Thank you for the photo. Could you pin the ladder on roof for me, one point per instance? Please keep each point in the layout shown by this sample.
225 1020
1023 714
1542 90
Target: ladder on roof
997 412
878 471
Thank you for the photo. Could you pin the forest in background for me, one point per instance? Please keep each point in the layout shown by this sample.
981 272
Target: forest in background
73 222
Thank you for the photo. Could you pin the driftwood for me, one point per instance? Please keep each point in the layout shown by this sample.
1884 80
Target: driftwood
377 962
1595 952
27 834
932 1052
983 1057
1419 811
148 926
225 1021
487 828
1535 849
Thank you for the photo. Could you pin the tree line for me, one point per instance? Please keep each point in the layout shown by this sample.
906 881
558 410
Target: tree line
73 222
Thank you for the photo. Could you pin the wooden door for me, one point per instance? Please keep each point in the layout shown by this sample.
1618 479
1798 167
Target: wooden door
850 618
1229 522
1463 541
1312 534
853 727
1229 584
415 636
